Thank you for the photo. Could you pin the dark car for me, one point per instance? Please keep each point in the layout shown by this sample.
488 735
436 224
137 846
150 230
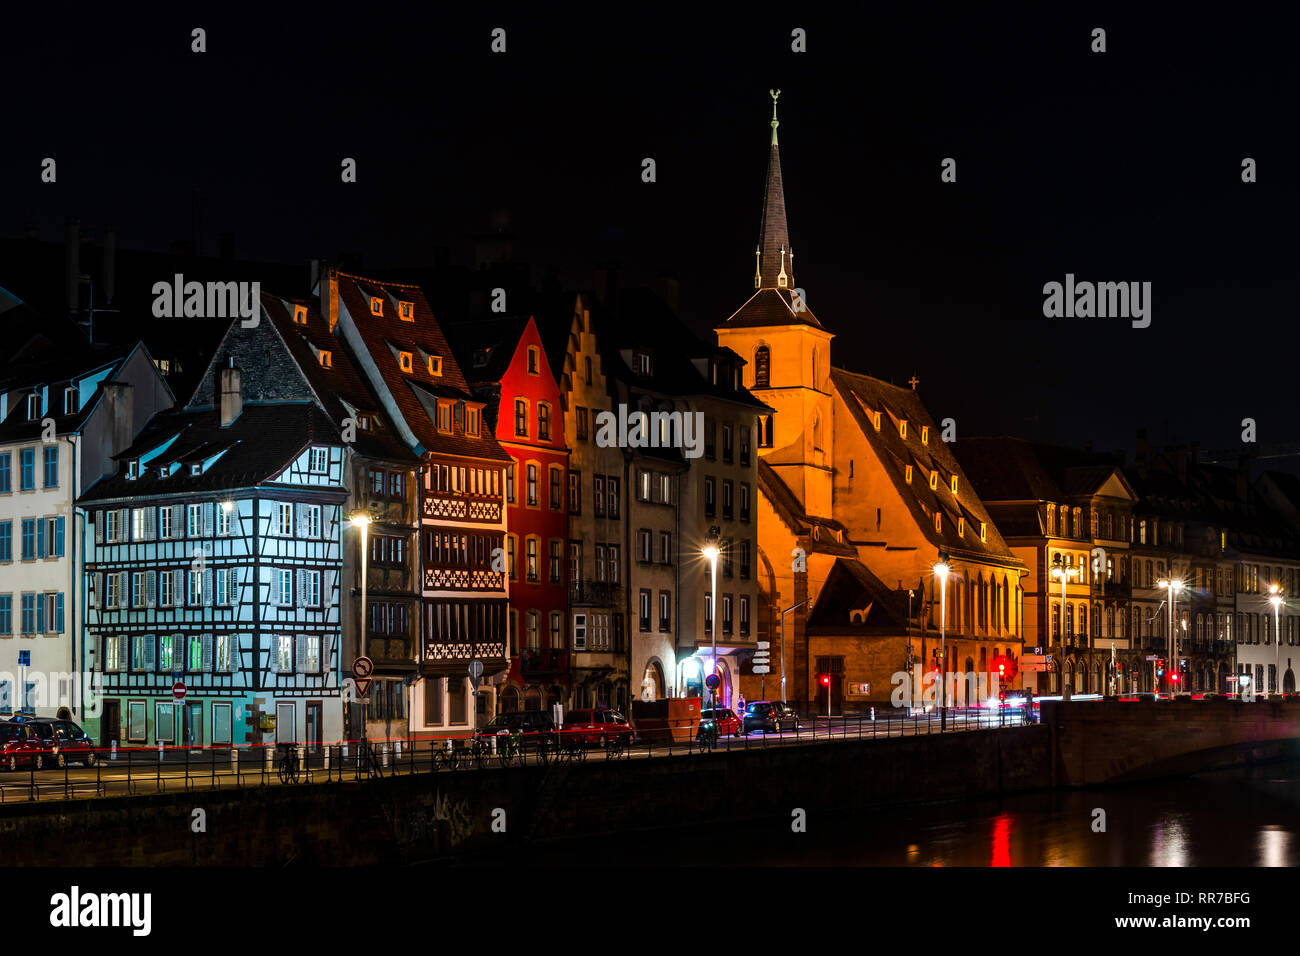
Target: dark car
770 716
19 746
64 743
534 725
596 727
726 720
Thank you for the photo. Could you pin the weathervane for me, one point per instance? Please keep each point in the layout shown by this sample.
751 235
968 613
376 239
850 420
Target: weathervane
774 94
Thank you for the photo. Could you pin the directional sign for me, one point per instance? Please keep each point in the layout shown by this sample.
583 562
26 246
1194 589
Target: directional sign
1153 657
178 690
762 669
764 645
475 672
24 658
362 668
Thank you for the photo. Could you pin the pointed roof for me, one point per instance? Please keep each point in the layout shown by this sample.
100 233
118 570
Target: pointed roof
774 255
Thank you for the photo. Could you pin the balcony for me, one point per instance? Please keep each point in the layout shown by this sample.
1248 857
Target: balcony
463 579
595 593
543 662
442 507
491 653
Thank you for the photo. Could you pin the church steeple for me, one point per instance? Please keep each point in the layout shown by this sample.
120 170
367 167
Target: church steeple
774 272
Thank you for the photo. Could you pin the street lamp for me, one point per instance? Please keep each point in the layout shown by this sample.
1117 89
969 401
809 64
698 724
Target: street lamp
1275 599
1173 585
362 523
1063 572
711 551
941 570
783 614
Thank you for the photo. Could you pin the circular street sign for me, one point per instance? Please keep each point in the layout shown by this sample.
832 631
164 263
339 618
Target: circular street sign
712 682
178 690
362 668
476 669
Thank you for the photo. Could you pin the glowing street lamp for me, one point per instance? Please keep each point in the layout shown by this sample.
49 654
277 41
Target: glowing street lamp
711 552
941 570
362 523
1173 585
1064 572
1275 599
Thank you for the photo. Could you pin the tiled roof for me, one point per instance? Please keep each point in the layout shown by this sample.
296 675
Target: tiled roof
828 536
262 441
851 587
53 371
864 396
771 307
414 391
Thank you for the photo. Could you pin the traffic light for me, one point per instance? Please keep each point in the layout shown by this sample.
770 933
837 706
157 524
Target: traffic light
826 680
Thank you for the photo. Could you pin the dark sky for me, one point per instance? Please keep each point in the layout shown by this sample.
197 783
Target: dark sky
1123 166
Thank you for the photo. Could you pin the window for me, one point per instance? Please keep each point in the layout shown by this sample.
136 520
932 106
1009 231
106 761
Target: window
29 538
665 611
934 480
727 498
510 557
300 314
444 417
744 560
532 360
225 581
28 474
575 492
6 540
194 592
138 589
532 486
744 445
194 520
318 460
521 418
611 496
51 466
762 366
645 609
406 311
33 406
556 562
598 494
142 652
575 561
726 614
404 361
954 484
665 547
644 364
744 615
510 483
744 502
530 545
643 486
312 585
167 653
557 494
71 401
283 654
326 359
6 475
644 546
472 416
543 422
583 423
376 305
283 587
727 448
710 506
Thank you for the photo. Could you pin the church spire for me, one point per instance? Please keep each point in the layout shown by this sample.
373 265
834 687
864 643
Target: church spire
774 239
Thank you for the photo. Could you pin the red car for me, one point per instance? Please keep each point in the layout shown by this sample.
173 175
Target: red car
20 746
728 722
596 727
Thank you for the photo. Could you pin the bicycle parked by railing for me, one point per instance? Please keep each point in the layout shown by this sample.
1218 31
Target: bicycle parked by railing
289 765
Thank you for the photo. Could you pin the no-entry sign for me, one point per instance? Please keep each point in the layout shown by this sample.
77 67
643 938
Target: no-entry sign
178 690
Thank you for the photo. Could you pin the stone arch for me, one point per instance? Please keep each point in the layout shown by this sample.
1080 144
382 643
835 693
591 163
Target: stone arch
653 681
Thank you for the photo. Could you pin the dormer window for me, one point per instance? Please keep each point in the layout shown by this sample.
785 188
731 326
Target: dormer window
70 401
132 470
907 474
444 416
961 527
925 435
300 315
875 420
532 360
934 480
435 364
644 364
406 311
376 305
902 428
326 359
404 361
938 522
984 531
33 406
472 416
196 469
954 484
363 422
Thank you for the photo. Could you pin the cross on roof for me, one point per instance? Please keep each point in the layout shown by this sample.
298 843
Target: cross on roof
914 381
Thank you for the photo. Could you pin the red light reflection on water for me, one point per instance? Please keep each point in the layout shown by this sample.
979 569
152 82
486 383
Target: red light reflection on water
1001 840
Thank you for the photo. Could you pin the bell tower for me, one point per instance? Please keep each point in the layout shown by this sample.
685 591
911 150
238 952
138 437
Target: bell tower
788 355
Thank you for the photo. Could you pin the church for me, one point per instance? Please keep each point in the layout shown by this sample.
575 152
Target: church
870 536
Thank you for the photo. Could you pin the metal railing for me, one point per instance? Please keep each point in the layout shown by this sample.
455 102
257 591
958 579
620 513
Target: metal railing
128 770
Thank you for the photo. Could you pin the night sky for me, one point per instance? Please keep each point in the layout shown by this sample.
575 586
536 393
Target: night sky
1122 166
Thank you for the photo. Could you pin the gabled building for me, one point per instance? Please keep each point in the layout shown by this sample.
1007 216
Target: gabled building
216 561
65 410
506 364
464 617
855 467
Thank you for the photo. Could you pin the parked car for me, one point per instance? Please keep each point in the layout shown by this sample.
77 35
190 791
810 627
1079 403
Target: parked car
596 727
64 743
725 718
770 716
535 725
19 745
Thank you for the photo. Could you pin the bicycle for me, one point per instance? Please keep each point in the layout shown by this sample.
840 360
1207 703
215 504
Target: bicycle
510 746
615 747
707 736
289 768
479 751
444 759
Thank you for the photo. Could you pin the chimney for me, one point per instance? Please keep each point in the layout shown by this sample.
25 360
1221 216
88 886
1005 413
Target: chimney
329 296
1243 476
121 414
226 246
230 397
72 262
668 291
1180 462
110 263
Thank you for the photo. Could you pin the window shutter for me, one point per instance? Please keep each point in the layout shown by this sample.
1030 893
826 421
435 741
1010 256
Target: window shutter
235 655
300 653
205 653
150 523
40 614
40 537
326 645
207 519
207 586
101 659
58 613
95 587
273 590
59 526
151 588
100 518
328 579
327 522
275 653
150 651
300 516
178 521
123 589
301 587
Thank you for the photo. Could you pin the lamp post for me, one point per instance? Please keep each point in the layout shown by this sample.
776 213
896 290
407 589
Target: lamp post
783 614
1063 572
710 551
1173 585
1275 599
362 523
941 572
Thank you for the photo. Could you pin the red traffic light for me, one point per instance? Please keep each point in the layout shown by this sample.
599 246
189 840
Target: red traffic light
826 680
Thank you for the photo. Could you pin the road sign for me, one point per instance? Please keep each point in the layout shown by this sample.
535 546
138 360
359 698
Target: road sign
762 669
475 673
24 658
362 668
178 690
1038 651
711 682
764 645
1153 657
362 685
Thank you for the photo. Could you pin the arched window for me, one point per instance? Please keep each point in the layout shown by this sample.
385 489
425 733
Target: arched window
814 366
509 701
586 365
762 367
